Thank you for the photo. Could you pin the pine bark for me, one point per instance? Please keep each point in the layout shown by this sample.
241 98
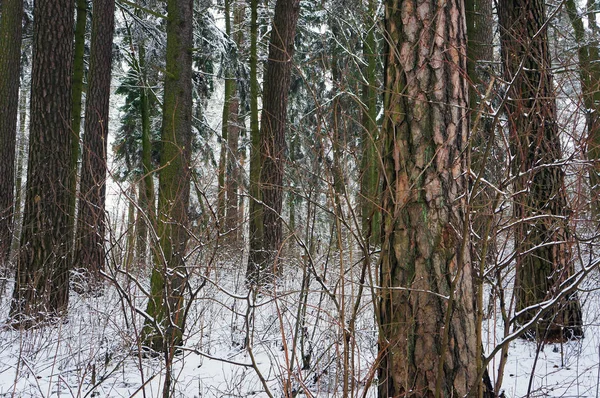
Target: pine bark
543 258
427 327
42 280
10 63
169 274
89 256
262 262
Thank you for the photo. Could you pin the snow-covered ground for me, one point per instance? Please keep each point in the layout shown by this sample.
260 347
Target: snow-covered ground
96 352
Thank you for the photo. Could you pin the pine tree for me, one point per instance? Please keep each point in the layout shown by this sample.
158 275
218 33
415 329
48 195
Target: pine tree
427 327
42 281
89 255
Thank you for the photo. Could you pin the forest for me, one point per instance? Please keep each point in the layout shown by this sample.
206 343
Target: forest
287 198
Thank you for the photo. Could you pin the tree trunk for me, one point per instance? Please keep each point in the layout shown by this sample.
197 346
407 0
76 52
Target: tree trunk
589 77
233 134
262 262
146 190
42 281
370 164
89 255
255 208
77 91
540 203
169 275
10 65
427 327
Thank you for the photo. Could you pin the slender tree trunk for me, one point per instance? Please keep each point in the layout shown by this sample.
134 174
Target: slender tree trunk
370 163
77 91
255 208
10 65
42 280
262 262
89 255
21 148
146 190
233 134
427 326
169 275
540 204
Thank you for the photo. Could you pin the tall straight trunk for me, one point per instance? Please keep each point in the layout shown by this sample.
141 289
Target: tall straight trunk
370 213
540 205
89 255
262 262
589 77
427 326
42 280
255 208
233 134
169 274
480 54
228 120
10 62
76 94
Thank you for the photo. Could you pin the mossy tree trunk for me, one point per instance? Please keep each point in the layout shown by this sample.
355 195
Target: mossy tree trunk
77 91
540 204
89 255
262 261
370 162
42 280
169 274
427 326
10 66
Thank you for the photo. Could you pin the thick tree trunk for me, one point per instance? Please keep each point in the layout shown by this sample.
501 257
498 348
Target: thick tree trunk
262 262
89 255
10 62
540 203
169 275
427 327
42 281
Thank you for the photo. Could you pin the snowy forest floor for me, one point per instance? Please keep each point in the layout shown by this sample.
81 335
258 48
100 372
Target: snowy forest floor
95 351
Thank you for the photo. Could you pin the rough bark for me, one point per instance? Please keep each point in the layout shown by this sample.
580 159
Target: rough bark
262 262
543 257
89 255
427 327
169 274
42 280
10 62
